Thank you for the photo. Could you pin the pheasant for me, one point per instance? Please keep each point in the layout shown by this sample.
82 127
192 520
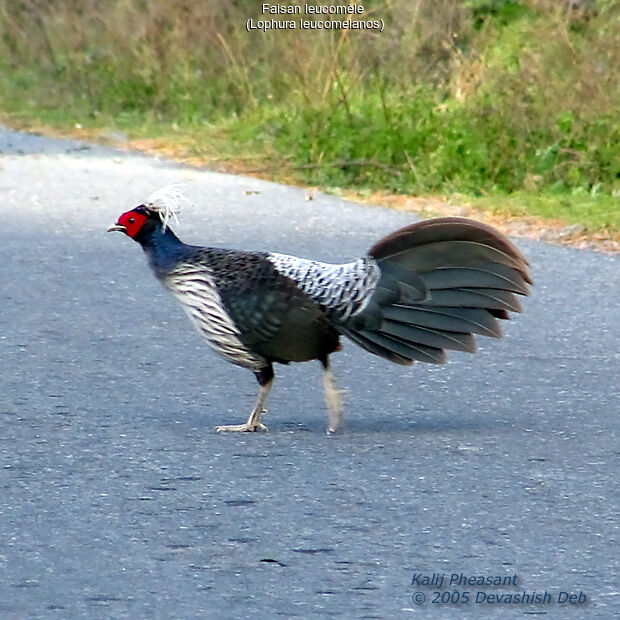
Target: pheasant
421 290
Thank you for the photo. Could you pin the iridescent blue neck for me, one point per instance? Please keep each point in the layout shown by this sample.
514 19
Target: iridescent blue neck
163 249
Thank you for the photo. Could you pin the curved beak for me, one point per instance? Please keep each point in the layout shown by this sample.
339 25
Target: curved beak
117 227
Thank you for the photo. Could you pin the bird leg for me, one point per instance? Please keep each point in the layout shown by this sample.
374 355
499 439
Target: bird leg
265 378
332 399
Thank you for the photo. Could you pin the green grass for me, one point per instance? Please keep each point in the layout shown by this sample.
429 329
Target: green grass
593 213
513 104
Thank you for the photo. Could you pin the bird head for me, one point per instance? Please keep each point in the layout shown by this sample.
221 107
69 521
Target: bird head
155 212
134 221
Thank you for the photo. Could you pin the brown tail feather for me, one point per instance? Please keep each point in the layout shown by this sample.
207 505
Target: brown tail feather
433 231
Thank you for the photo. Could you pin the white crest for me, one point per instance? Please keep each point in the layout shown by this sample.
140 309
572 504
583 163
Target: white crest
167 202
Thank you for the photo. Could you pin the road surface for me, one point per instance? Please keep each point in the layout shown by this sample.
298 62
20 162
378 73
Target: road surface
119 500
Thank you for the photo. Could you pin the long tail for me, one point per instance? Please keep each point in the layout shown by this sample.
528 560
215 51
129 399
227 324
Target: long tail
442 281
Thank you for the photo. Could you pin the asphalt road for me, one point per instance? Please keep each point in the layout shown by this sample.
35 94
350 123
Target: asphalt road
119 500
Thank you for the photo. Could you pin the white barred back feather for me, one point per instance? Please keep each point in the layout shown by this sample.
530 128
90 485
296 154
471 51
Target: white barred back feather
343 289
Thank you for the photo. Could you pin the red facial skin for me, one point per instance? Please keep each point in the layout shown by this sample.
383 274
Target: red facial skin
132 221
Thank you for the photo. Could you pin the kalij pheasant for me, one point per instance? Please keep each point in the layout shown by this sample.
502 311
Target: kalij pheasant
425 288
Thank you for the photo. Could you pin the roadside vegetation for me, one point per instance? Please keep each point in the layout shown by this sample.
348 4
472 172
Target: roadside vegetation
513 105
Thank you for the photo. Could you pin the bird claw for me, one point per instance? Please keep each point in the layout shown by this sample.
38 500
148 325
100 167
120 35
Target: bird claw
332 430
241 428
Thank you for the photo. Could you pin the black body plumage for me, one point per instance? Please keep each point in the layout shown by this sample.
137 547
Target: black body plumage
275 318
272 317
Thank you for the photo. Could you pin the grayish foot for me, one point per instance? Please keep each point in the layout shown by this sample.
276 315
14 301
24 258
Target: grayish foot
242 428
253 424
332 399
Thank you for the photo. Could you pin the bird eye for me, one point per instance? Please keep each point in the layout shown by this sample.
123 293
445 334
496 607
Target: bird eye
132 220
